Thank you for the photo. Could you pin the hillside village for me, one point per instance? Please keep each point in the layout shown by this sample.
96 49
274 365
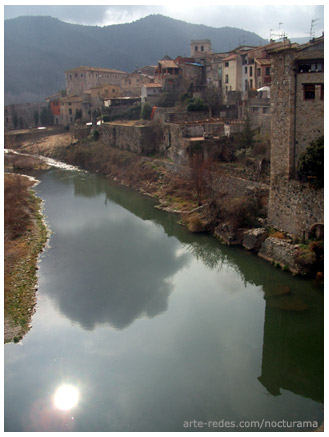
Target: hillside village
202 106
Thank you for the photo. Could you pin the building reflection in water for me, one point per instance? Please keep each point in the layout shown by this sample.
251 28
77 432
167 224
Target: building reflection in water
292 350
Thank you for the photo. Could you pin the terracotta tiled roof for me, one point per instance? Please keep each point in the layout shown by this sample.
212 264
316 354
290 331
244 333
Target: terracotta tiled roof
230 58
152 85
168 64
263 61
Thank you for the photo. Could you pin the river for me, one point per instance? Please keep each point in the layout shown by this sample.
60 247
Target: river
143 326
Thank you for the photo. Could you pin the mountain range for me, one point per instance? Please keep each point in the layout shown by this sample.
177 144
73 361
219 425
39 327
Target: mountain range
37 50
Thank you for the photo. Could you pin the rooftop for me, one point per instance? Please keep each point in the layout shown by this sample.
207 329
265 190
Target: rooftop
152 85
103 70
263 61
168 64
230 58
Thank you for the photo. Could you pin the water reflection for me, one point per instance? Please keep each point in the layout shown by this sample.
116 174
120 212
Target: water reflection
134 263
293 353
235 333
66 397
120 267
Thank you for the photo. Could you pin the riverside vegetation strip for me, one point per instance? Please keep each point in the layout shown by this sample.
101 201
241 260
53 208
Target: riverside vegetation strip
188 192
25 236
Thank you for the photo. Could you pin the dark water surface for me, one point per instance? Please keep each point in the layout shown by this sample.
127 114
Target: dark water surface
156 327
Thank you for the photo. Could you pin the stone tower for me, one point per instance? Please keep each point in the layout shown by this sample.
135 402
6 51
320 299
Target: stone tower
199 48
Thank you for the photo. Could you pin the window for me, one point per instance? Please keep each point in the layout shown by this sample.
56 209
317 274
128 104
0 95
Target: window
76 75
266 110
319 66
322 92
226 78
309 91
70 111
70 76
246 70
227 64
267 71
196 48
310 67
255 109
250 83
250 71
258 72
7 120
81 75
202 48
71 119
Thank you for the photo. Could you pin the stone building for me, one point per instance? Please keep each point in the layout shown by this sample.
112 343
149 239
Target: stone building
23 115
297 111
200 48
71 108
258 66
97 95
167 71
82 78
231 78
150 93
131 85
55 106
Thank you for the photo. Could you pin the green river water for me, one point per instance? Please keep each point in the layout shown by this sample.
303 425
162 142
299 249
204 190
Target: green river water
143 326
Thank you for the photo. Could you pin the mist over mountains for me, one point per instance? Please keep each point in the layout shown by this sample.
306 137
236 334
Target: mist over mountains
37 50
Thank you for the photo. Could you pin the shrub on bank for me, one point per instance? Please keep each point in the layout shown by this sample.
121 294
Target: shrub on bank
16 206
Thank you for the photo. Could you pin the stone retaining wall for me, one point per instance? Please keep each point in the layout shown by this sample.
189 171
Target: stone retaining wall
143 140
294 207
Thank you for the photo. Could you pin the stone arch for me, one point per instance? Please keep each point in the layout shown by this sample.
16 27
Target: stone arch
317 231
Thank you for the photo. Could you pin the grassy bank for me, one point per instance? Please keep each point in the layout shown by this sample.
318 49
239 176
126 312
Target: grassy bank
25 235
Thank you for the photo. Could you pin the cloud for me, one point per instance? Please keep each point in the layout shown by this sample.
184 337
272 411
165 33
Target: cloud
296 19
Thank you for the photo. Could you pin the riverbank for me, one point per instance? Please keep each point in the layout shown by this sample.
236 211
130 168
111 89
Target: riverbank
201 193
25 235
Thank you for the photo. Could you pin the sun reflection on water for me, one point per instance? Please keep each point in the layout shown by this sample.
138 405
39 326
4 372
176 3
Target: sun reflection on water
66 397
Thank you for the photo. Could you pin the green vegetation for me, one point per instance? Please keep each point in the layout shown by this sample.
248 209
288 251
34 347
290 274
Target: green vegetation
130 113
78 114
96 135
311 163
146 111
246 139
167 100
36 118
196 104
46 117
24 237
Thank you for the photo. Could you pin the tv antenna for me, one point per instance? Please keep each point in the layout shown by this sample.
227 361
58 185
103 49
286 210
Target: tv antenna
312 32
280 34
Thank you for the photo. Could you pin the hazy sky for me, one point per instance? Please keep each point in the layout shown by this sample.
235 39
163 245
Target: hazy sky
294 20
